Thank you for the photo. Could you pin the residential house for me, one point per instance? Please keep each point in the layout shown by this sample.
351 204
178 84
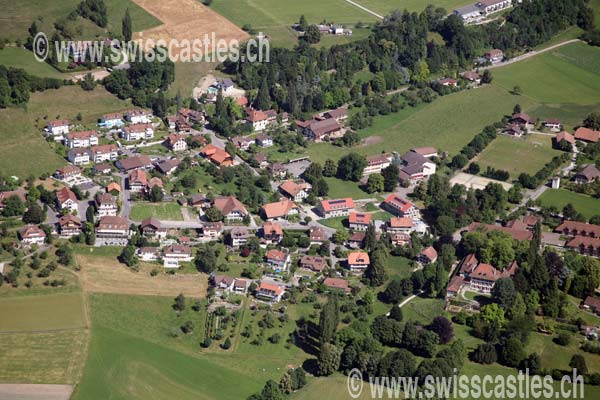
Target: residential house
81 139
564 135
153 229
31 234
471 76
339 114
587 135
414 167
482 277
104 152
106 205
278 260
110 121
574 228
448 82
113 188
103 168
263 140
358 261
239 236
137 132
231 208
592 304
217 155
199 201
320 130
553 124
69 226
242 142
426 151
337 285
224 84
193 117
262 160
523 120
79 156
58 127
222 283
401 207
137 181
141 161
588 174
494 56
336 207
212 230
295 191
177 253
454 286
427 256
258 119
277 170
400 225
272 232
240 286
149 253
137 116
359 221
316 234
270 291
400 239
167 167
356 240
67 200
279 210
68 171
313 263
585 245
377 163
513 130
112 230
176 142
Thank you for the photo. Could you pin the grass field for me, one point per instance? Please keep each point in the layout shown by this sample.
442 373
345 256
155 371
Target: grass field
384 7
339 188
559 198
532 151
275 18
42 313
21 130
18 57
565 82
164 211
448 123
18 16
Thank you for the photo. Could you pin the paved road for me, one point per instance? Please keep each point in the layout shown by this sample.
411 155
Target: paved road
530 54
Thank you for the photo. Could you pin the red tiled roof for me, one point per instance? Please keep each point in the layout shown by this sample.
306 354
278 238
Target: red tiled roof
358 258
582 228
359 218
271 228
65 194
398 202
336 283
337 204
227 204
276 255
587 134
430 253
401 222
271 287
278 209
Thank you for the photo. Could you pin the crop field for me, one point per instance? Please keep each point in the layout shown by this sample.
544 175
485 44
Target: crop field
275 18
43 338
587 205
37 313
21 130
164 211
532 151
19 15
102 274
565 83
187 19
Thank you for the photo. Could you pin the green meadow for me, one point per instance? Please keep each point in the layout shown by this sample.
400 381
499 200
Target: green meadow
587 205
163 211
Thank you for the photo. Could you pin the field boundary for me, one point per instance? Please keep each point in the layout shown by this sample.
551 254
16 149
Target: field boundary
364 8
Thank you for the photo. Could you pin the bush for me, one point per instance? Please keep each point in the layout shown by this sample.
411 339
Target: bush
562 339
187 327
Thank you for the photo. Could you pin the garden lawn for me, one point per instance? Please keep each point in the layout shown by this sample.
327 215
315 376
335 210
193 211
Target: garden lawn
422 309
586 205
567 77
162 211
275 18
339 188
532 152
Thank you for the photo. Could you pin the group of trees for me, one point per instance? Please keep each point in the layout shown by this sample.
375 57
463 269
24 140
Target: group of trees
94 10
16 86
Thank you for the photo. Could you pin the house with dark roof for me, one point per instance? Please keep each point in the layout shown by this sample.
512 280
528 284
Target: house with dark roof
588 174
427 256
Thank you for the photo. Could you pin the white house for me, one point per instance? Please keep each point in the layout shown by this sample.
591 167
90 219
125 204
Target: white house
137 116
137 132
58 127
79 156
81 139
111 121
278 259
104 152
106 205
270 291
32 235
178 252
67 200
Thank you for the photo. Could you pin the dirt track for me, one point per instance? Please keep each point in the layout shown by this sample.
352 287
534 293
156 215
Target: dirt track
187 19
35 392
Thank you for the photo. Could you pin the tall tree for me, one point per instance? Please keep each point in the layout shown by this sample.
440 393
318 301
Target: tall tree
126 27
263 100
328 320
